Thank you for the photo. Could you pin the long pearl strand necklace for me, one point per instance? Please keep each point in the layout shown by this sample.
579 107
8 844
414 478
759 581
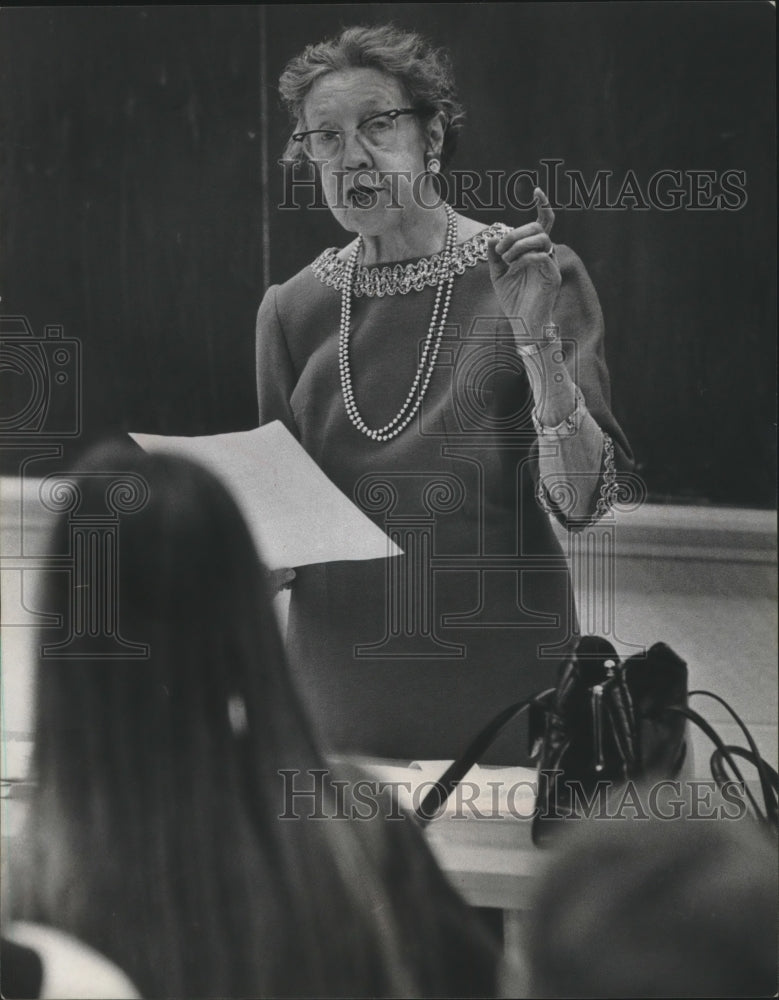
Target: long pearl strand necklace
429 353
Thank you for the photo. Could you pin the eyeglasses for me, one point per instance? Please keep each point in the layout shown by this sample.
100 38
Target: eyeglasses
378 132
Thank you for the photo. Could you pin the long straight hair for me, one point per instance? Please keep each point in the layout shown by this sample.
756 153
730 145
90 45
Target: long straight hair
154 832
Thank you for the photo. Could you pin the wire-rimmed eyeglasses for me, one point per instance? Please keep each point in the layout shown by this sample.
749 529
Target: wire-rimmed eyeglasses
377 132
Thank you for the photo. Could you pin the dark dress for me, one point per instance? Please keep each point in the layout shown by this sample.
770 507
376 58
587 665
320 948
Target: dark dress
407 657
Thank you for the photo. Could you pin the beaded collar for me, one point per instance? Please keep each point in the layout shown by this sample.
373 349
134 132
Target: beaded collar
404 278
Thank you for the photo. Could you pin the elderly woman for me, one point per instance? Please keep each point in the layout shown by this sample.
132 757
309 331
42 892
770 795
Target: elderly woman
450 379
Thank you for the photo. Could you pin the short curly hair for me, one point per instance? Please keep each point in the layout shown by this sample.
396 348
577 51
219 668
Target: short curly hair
424 72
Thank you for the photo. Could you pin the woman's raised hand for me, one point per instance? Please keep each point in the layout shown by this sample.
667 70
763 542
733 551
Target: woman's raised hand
525 274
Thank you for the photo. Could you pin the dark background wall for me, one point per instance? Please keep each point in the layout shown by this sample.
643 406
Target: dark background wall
141 191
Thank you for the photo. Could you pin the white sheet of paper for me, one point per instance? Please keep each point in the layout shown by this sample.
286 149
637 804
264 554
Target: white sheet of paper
296 514
485 790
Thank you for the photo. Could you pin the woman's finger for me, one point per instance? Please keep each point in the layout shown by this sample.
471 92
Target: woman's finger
542 261
538 243
544 209
522 232
496 264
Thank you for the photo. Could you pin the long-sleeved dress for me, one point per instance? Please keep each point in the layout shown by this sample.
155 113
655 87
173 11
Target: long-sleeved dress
406 657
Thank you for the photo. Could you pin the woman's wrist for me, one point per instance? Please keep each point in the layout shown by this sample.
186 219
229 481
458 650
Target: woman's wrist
529 344
554 391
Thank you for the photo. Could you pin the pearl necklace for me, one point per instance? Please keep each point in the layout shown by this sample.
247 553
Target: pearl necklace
416 394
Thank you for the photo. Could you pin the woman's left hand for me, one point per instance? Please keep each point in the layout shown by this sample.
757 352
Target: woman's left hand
525 274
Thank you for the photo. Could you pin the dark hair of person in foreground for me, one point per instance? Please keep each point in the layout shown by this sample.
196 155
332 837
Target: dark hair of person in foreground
153 834
653 908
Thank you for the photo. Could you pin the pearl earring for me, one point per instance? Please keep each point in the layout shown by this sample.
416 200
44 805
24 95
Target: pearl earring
433 164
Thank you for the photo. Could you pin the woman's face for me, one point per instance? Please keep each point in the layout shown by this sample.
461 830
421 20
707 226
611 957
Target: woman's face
369 185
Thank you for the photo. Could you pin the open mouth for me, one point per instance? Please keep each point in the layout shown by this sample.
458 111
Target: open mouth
362 195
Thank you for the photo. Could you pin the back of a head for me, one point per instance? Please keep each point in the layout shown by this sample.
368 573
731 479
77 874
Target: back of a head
157 774
180 579
653 908
155 834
